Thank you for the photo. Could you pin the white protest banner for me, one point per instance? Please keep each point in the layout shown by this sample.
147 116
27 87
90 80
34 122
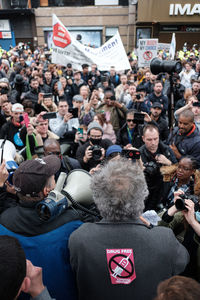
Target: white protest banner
163 46
147 50
66 49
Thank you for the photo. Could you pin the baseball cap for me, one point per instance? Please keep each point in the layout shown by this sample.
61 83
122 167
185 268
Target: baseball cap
78 98
113 149
69 65
157 104
77 71
31 176
94 125
17 107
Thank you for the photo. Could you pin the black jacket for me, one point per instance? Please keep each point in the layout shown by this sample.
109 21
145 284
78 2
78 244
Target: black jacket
153 176
92 163
122 136
163 128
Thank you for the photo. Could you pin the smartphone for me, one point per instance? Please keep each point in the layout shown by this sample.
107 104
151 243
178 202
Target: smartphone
21 119
131 153
80 130
51 115
138 118
73 111
60 86
26 119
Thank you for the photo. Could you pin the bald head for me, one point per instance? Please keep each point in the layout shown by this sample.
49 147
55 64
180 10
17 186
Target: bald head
51 146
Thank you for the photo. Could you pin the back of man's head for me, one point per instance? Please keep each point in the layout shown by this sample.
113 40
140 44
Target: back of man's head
119 190
12 267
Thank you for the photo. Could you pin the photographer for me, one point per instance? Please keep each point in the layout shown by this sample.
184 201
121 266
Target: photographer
140 101
92 152
178 88
154 154
130 135
183 221
115 111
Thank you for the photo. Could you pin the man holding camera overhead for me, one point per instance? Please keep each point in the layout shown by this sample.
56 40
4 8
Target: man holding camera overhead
93 152
154 154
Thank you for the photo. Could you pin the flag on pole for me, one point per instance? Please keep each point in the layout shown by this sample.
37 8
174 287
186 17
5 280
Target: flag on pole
172 49
66 49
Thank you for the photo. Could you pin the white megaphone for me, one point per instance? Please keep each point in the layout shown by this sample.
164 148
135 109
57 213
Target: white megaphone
8 153
73 189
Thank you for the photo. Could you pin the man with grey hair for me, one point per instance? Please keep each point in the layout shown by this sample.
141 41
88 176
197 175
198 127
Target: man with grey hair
121 257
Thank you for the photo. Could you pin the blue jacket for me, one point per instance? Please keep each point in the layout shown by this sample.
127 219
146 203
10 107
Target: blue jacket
50 251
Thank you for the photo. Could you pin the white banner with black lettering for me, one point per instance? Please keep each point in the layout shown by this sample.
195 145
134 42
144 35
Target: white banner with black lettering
66 49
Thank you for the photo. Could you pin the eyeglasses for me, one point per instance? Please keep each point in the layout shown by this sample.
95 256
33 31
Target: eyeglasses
130 120
184 168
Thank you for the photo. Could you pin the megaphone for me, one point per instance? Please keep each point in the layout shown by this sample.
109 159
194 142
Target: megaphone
8 153
73 189
165 66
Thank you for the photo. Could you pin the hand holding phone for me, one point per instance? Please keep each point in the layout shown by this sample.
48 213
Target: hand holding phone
26 119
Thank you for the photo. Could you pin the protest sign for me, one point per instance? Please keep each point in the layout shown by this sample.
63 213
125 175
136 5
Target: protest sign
147 50
66 49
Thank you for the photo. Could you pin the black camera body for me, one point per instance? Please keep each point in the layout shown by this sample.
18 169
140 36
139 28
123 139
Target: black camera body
96 152
151 168
180 203
138 96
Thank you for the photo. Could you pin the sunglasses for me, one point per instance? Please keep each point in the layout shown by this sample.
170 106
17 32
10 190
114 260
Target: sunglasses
130 120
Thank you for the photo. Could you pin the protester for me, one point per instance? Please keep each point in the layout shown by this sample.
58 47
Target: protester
120 251
45 243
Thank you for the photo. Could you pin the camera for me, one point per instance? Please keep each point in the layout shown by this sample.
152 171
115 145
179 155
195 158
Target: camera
132 153
138 96
96 152
180 203
151 168
4 90
165 66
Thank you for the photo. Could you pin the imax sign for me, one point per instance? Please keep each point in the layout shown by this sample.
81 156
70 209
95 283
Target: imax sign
187 9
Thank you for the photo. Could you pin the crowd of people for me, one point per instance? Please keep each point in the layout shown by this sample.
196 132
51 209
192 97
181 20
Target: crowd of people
116 127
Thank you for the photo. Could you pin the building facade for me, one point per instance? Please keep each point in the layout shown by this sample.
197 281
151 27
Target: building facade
160 18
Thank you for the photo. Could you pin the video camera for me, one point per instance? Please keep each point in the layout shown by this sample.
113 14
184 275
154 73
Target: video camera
158 66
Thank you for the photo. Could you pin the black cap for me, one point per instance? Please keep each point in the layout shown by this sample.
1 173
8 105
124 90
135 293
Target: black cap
31 176
69 65
157 104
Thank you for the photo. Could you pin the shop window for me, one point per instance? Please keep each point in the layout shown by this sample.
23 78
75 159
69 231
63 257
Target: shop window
110 32
142 33
91 37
